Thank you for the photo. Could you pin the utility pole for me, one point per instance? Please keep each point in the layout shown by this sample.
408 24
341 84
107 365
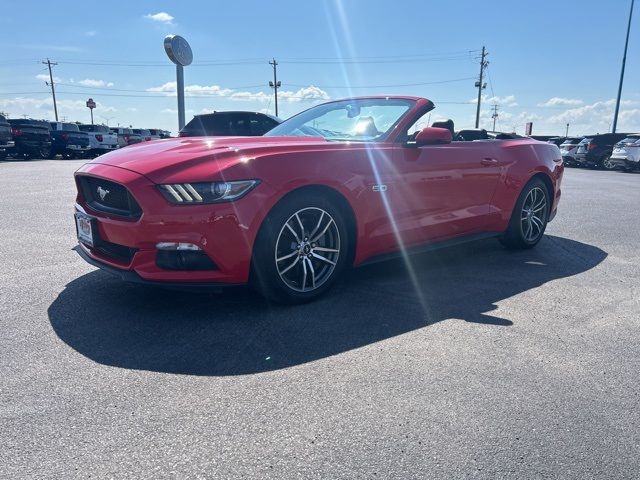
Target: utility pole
275 84
624 61
495 115
53 90
481 86
566 133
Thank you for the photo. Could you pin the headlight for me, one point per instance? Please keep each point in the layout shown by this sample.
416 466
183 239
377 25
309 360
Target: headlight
207 192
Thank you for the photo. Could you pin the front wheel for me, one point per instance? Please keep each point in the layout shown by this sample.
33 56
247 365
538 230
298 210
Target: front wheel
300 250
529 218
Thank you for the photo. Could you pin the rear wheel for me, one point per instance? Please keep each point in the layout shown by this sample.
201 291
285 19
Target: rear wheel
529 218
300 250
606 163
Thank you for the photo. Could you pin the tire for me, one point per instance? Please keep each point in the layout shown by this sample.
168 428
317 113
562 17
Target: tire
529 218
300 250
605 163
50 153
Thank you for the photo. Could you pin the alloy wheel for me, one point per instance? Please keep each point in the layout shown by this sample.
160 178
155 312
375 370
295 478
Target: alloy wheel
606 163
307 249
534 214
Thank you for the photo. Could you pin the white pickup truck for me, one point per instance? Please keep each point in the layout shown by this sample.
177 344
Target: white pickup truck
101 139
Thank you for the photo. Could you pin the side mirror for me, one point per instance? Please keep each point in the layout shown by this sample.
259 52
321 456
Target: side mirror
433 136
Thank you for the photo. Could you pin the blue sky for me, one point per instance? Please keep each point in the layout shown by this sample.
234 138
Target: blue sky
550 62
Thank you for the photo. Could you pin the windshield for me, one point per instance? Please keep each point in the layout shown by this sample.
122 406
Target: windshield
353 120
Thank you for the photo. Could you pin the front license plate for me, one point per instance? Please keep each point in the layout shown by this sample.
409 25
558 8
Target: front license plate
84 226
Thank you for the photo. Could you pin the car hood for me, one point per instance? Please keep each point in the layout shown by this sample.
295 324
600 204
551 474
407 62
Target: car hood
200 158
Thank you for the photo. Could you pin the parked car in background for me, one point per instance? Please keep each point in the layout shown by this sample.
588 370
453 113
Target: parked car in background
595 150
6 139
557 141
126 136
144 134
543 138
155 134
165 134
626 153
101 139
229 124
568 150
31 137
67 140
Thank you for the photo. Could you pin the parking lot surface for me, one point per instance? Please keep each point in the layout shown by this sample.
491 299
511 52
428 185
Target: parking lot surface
484 364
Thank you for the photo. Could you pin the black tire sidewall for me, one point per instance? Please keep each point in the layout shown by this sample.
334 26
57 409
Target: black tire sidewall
514 236
264 274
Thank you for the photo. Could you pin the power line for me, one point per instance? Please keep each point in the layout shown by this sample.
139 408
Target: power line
384 86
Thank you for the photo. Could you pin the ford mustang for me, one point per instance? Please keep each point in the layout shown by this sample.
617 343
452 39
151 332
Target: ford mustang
340 184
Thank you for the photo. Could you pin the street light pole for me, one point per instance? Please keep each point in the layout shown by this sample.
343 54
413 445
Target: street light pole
624 61
275 84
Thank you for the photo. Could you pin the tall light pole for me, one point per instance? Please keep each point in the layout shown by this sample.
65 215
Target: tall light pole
624 61
179 52
275 84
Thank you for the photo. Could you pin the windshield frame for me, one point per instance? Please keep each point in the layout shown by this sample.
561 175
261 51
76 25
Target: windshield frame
304 117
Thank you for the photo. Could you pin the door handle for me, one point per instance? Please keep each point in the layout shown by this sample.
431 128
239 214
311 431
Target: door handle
489 162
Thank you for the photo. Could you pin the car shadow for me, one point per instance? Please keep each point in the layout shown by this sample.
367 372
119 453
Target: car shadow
238 332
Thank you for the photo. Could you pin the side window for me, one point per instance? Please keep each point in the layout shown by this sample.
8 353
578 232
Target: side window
261 125
240 125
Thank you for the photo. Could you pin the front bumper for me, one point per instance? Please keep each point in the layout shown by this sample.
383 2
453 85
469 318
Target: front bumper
225 232
620 162
584 159
78 148
10 145
132 277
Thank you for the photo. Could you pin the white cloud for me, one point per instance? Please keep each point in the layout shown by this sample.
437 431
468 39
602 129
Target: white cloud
132 109
599 115
508 101
161 17
45 78
309 93
306 94
43 107
90 33
88 82
559 101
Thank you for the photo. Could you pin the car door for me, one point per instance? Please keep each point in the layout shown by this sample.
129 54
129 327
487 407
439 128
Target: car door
450 187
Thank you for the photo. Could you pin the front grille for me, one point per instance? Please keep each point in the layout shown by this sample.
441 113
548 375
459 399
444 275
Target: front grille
113 250
109 197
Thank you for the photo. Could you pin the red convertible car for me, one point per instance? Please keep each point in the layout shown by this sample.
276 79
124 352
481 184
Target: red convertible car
343 183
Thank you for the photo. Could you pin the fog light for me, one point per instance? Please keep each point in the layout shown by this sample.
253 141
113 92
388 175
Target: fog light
177 246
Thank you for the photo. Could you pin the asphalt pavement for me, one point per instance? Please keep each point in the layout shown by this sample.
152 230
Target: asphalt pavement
485 364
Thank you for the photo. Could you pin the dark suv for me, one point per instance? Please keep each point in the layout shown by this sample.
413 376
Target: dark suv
229 124
595 150
6 140
31 137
